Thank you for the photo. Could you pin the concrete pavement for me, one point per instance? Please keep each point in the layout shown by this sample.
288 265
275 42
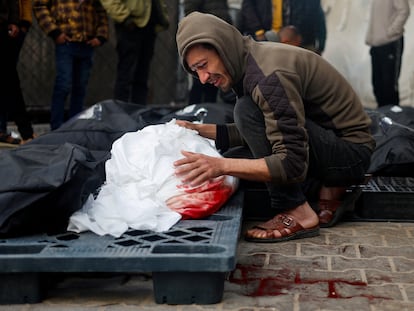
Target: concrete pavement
352 266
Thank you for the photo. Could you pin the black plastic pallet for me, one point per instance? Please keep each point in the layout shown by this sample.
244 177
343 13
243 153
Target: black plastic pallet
386 199
382 198
202 250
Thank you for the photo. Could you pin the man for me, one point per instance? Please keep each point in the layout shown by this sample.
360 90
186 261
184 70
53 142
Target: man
259 17
287 34
385 36
136 25
12 94
77 28
298 116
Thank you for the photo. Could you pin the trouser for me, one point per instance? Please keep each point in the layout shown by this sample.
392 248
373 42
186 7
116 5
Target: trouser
202 93
12 104
73 66
135 48
386 67
333 162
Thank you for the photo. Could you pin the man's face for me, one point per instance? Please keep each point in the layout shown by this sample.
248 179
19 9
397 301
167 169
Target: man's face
209 67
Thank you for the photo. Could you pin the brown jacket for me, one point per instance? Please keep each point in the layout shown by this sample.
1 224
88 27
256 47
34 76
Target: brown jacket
289 84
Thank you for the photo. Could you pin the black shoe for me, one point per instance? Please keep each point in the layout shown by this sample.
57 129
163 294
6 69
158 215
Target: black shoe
8 139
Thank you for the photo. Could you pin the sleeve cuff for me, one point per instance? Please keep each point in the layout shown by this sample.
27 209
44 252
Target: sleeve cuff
222 138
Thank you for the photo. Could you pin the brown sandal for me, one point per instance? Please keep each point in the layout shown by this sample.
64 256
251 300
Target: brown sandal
281 223
330 211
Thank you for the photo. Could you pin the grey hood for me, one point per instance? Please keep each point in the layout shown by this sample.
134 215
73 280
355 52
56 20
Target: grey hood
206 28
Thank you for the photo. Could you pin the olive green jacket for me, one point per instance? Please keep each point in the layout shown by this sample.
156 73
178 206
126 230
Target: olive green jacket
137 10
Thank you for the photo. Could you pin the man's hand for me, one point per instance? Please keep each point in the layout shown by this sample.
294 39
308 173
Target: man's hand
206 130
62 38
196 168
13 30
95 42
186 124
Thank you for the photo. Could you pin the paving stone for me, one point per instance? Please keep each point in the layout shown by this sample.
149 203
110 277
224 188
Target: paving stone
349 304
409 289
346 250
290 263
340 239
404 265
343 264
393 305
257 260
369 251
306 276
384 277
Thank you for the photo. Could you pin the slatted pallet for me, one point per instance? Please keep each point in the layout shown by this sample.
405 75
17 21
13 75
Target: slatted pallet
202 250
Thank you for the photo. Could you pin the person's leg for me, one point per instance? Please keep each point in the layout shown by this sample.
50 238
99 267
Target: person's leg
399 49
334 161
196 93
18 112
127 51
337 164
82 65
376 74
294 216
6 67
210 93
250 123
3 65
202 93
139 87
391 63
385 71
7 86
63 84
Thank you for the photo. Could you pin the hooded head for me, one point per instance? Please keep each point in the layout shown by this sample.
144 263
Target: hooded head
198 28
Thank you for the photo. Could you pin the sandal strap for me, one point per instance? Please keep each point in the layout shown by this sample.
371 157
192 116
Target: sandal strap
281 223
329 205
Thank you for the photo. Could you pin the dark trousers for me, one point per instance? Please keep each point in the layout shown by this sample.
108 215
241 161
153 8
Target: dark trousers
386 67
135 48
202 93
332 161
12 104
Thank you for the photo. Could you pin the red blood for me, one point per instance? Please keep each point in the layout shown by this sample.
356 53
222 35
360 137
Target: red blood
201 201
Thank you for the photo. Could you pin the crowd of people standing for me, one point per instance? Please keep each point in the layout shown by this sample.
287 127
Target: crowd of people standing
77 28
84 27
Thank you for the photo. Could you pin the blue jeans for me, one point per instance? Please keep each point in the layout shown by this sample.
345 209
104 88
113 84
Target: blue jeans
73 65
333 162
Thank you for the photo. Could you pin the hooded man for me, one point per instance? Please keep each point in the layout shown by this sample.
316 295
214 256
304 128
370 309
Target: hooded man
296 114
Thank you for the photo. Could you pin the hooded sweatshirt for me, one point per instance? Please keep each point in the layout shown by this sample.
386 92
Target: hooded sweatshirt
289 84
